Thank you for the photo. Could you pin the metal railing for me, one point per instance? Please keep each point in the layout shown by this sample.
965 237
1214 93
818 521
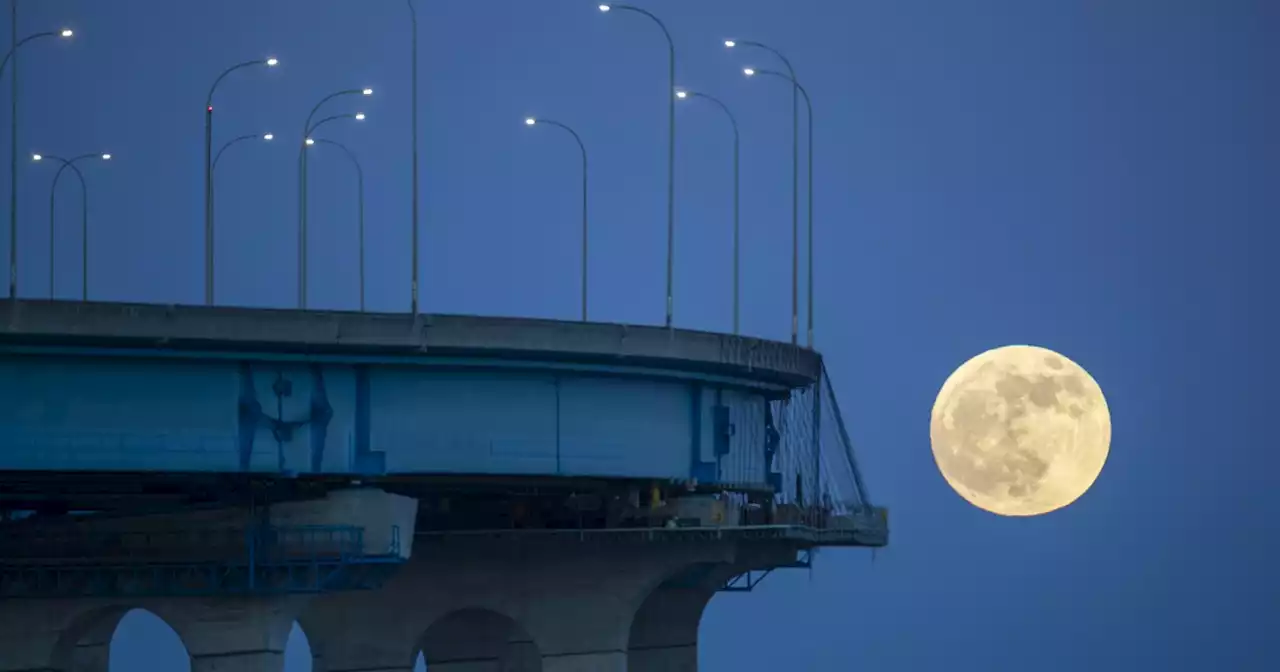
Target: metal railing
203 544
811 467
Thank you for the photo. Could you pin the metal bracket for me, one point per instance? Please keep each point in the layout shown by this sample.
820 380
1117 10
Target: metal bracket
252 416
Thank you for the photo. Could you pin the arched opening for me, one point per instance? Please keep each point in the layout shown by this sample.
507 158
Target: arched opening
298 656
468 638
140 642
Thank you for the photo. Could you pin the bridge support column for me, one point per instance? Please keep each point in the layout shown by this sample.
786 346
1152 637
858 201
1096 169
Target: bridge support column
220 635
41 636
664 634
233 634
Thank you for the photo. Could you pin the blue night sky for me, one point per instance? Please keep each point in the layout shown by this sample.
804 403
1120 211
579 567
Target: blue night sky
1095 177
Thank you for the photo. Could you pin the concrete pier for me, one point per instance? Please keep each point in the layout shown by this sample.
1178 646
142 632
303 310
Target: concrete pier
556 605
469 604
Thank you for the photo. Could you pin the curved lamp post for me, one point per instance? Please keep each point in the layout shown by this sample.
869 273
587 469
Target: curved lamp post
734 123
84 215
671 140
65 33
413 70
532 121
307 129
208 171
209 207
751 72
268 137
360 199
795 179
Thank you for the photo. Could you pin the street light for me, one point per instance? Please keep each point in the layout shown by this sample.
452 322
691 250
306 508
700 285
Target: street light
750 72
360 191
733 122
671 142
307 129
269 62
65 33
210 193
532 121
413 73
266 137
84 215
795 177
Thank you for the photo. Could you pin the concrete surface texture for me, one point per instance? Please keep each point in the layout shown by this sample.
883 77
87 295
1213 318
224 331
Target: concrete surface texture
467 604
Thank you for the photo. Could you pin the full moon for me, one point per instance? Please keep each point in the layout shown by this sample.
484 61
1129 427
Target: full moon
1020 431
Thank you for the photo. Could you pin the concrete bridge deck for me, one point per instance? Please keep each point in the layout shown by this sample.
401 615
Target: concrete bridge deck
220 329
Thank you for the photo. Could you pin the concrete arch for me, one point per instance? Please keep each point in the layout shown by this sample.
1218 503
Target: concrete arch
475 640
85 644
664 630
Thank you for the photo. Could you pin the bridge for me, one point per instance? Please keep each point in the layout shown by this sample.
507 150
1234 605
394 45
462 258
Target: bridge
537 494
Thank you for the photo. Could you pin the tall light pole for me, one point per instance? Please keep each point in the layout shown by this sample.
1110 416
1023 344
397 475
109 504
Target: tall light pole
209 209
671 143
13 135
532 121
208 171
750 72
413 69
360 200
307 129
795 180
736 256
84 215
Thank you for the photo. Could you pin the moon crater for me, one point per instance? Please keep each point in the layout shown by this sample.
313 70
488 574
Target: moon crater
1020 430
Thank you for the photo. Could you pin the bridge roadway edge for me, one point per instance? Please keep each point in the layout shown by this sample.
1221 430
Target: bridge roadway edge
50 324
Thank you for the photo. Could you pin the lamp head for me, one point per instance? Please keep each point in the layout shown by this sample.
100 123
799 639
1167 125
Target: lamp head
367 92
310 141
66 32
106 157
268 136
359 116
272 62
36 157
749 71
680 93
529 121
730 43
604 8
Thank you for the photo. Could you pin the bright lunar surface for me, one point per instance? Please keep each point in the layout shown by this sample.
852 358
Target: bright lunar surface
1020 430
